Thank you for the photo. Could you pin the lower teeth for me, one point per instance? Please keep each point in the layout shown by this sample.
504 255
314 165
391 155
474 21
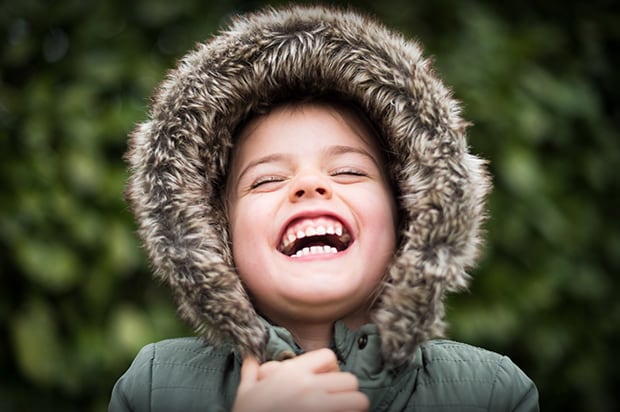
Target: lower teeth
315 250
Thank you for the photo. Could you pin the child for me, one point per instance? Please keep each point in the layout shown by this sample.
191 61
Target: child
304 186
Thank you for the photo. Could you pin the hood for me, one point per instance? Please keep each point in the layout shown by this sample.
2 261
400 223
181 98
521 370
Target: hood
178 162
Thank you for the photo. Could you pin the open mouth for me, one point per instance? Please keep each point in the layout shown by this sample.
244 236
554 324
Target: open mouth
306 237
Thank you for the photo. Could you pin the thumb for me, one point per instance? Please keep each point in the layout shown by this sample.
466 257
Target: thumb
267 369
249 374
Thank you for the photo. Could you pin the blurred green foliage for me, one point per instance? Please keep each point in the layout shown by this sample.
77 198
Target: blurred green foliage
536 78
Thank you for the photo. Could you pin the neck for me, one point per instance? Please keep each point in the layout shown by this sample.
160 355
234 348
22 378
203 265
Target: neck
311 335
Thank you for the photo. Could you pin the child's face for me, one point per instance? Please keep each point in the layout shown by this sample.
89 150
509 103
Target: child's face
312 214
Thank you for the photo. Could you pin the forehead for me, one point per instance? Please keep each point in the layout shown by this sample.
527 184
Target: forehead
310 120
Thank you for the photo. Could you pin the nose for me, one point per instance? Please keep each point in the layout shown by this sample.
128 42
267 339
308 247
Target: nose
310 185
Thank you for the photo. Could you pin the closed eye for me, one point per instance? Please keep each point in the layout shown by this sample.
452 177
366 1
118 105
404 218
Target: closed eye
349 175
265 180
349 172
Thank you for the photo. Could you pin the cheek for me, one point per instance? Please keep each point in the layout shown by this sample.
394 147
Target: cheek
241 213
238 221
242 252
381 210
382 220
249 224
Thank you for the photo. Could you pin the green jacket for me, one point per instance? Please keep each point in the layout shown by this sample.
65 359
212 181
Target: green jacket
178 160
187 375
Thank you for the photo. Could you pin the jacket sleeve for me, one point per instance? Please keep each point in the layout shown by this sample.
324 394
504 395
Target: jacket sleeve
132 391
513 390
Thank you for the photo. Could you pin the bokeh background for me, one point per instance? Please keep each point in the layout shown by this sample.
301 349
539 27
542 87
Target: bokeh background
539 80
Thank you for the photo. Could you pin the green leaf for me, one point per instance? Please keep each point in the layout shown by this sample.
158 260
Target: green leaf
36 343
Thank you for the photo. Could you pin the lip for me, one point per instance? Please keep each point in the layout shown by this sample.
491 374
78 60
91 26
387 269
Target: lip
311 214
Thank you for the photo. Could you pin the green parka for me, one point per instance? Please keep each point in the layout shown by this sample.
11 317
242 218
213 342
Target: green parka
187 375
179 161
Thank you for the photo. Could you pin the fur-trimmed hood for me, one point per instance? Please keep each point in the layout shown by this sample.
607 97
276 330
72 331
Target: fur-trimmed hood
179 160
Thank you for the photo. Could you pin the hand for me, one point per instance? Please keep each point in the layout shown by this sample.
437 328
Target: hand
308 383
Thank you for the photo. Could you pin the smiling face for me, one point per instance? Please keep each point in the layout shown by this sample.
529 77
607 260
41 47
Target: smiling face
312 214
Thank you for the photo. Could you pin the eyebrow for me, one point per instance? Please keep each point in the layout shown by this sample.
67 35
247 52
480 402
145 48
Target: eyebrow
270 158
340 150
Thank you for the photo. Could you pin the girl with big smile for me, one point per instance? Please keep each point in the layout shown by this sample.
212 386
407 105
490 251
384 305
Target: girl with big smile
304 185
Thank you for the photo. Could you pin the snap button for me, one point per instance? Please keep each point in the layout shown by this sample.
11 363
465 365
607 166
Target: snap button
362 341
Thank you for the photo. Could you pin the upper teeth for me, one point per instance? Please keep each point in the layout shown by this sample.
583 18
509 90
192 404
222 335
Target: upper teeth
293 234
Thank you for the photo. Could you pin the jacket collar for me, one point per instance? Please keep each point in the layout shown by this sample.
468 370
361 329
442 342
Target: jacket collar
358 352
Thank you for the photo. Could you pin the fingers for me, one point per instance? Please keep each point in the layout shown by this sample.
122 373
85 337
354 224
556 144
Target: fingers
267 369
334 382
353 401
249 374
309 382
331 382
317 361
340 402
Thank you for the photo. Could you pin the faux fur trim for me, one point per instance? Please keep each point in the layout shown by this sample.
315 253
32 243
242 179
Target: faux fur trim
178 160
